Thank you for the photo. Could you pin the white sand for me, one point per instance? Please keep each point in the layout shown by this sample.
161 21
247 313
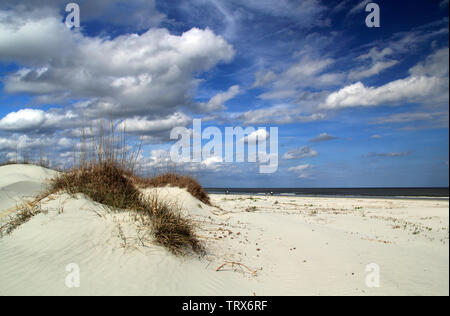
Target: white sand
20 183
299 246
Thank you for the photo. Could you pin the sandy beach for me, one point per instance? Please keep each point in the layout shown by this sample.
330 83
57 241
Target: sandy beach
275 245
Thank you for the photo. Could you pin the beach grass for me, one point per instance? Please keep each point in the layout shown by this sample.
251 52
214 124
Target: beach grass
23 215
113 186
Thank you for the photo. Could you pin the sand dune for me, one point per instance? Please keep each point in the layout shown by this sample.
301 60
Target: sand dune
297 246
78 231
20 183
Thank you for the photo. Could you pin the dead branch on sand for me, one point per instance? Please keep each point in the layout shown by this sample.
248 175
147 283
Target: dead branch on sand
236 264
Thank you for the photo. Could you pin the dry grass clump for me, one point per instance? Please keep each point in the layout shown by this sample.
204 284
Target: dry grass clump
111 185
170 229
21 217
177 180
104 183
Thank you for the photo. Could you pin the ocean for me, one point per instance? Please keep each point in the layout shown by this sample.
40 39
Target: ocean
339 192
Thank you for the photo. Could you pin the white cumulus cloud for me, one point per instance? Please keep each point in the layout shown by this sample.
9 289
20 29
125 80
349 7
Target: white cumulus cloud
428 83
132 74
32 119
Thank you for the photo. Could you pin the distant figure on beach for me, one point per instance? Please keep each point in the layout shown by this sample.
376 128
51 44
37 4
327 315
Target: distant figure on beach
227 192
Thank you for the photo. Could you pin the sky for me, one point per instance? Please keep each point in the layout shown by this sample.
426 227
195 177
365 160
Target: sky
354 106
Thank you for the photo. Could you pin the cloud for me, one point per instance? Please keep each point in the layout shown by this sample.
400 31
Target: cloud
301 170
258 135
212 163
276 115
412 89
306 73
133 15
389 155
129 75
300 153
385 54
69 124
410 117
18 144
217 103
374 69
321 73
251 22
360 7
306 12
28 120
376 54
262 78
435 65
376 136
160 159
309 75
22 120
379 60
324 137
340 6
149 75
402 43
143 126
428 83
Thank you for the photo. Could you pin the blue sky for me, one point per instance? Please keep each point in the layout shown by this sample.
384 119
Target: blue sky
355 106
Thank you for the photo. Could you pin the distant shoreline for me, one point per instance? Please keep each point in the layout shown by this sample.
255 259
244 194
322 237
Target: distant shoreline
396 193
